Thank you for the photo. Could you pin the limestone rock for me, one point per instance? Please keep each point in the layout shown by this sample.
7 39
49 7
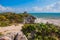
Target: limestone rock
5 38
20 36
14 36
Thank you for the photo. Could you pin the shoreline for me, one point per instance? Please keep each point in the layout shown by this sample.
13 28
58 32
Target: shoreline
45 20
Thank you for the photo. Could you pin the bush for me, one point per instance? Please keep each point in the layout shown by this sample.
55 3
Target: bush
8 18
41 31
1 34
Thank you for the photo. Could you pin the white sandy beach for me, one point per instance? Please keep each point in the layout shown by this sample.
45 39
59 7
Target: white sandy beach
43 20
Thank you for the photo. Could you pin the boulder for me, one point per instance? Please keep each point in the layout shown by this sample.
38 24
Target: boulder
20 36
5 38
14 36
29 19
11 35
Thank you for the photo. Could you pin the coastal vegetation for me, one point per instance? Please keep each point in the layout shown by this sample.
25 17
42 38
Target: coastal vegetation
1 34
33 31
9 18
41 31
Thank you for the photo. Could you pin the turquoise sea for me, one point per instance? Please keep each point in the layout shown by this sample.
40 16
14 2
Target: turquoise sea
46 15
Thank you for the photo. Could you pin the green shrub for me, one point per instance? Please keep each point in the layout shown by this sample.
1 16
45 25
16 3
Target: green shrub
41 31
1 34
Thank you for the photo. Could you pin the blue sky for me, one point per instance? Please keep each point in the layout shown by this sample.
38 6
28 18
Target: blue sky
29 5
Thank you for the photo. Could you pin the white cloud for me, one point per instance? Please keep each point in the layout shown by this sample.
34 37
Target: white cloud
2 8
6 9
37 8
9 9
50 8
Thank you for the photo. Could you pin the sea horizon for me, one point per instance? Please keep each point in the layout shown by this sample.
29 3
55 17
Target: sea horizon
46 15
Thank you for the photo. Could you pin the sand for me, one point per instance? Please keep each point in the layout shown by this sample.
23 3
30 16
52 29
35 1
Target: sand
44 20
10 29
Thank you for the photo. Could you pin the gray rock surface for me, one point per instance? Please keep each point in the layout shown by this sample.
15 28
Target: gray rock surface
14 36
5 38
20 36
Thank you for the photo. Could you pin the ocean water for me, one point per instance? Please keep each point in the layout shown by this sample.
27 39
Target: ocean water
46 15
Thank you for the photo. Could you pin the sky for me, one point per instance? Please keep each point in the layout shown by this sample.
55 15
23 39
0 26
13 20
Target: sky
30 6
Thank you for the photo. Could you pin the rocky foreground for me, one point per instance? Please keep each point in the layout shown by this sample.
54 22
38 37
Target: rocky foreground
12 33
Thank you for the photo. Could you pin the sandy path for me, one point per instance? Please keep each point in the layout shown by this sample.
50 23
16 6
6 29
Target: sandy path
9 29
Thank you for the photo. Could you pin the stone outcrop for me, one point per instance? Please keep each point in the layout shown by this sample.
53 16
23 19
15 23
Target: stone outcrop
5 38
14 36
29 19
20 36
